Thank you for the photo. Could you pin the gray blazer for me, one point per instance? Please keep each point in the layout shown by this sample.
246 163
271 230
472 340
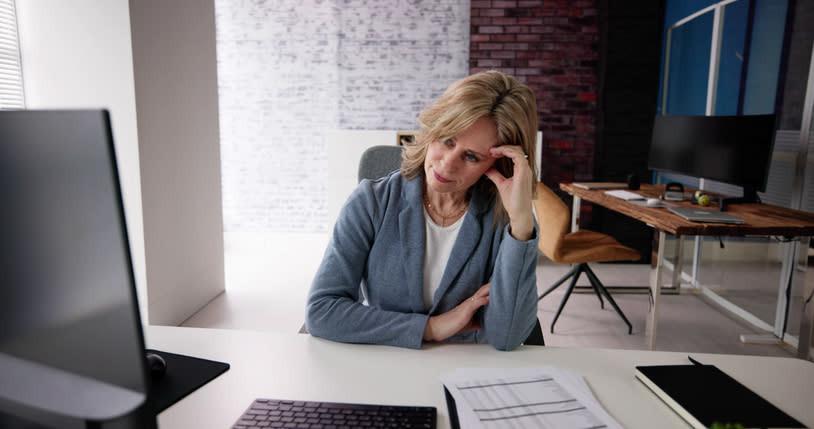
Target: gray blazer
378 243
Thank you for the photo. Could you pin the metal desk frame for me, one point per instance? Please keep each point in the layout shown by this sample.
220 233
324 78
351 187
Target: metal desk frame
760 220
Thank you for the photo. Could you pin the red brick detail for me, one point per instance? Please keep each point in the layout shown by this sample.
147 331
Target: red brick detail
489 63
489 47
492 12
490 29
504 37
550 45
504 21
502 54
528 37
561 145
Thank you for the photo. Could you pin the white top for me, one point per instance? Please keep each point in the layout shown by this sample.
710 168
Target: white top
438 247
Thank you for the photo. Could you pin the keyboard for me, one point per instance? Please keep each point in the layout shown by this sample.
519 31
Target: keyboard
276 413
625 195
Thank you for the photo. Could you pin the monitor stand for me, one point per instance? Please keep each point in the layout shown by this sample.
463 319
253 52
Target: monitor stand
35 395
749 196
184 375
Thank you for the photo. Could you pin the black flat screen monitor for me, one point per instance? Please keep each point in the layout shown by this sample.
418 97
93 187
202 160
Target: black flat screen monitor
732 149
71 345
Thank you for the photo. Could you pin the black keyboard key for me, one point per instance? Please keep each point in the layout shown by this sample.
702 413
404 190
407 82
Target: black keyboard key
315 415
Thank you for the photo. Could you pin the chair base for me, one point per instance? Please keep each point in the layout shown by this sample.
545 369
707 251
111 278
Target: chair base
536 336
597 285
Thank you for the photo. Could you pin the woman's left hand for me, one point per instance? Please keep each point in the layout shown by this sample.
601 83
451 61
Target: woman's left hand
515 191
458 320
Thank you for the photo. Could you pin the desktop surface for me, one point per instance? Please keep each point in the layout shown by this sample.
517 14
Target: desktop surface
301 367
759 219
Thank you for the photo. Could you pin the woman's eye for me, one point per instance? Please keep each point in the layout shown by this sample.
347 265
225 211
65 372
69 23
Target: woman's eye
471 158
448 142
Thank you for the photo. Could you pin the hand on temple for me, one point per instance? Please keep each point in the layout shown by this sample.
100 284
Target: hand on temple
515 191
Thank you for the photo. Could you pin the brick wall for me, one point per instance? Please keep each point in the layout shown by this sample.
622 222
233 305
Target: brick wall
552 47
290 70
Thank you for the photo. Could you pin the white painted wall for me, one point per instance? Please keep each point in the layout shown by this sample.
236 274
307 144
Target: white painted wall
291 71
344 152
176 87
80 54
77 55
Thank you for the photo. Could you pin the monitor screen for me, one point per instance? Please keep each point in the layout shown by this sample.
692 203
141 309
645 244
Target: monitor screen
732 149
71 345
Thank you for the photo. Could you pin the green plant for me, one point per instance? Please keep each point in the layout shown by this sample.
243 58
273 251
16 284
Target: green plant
719 425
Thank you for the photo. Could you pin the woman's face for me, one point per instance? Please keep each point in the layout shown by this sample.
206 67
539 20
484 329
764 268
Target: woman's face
456 164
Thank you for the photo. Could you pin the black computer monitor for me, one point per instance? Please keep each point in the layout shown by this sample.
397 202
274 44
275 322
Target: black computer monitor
732 149
71 345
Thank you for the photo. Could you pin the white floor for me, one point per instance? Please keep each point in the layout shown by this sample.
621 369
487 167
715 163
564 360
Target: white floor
267 281
268 276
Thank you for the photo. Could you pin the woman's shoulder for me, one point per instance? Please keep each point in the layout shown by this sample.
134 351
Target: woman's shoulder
373 199
388 187
392 179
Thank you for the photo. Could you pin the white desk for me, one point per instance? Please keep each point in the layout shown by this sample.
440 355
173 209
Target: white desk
301 367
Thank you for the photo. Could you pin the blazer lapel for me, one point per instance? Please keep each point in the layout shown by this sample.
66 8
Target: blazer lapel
468 239
411 230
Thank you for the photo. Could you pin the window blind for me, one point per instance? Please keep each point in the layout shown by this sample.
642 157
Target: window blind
11 75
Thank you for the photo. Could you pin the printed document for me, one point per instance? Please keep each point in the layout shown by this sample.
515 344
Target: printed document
541 397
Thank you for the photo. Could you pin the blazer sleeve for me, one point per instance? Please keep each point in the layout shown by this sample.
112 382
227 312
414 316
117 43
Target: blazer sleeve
512 310
333 309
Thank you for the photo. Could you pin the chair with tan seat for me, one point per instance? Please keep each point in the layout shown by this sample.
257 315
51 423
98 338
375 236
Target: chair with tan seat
579 247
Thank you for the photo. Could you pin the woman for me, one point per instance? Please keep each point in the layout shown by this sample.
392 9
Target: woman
445 249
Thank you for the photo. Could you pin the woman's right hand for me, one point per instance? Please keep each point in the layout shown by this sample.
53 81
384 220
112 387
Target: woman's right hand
459 319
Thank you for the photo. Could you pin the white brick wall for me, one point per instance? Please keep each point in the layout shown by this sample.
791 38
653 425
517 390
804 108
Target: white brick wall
291 70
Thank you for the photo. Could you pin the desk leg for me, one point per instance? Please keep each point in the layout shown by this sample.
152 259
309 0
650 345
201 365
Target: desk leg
791 253
696 261
575 206
678 263
789 263
804 349
655 293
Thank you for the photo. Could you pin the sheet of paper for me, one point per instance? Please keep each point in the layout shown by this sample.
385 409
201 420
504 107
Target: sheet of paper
541 397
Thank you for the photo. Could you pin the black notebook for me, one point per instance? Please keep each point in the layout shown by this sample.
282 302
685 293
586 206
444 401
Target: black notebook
703 395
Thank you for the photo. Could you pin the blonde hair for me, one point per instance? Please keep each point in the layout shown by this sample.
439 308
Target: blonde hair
492 94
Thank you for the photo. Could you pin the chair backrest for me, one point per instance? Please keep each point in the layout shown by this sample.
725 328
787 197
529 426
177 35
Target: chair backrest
378 161
553 217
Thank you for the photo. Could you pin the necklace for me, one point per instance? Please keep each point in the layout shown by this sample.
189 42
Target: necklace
451 216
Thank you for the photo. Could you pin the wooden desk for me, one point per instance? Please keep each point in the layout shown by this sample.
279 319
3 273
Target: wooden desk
300 367
759 219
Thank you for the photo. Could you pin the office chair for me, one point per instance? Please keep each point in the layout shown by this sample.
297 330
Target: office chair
375 162
579 247
378 161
